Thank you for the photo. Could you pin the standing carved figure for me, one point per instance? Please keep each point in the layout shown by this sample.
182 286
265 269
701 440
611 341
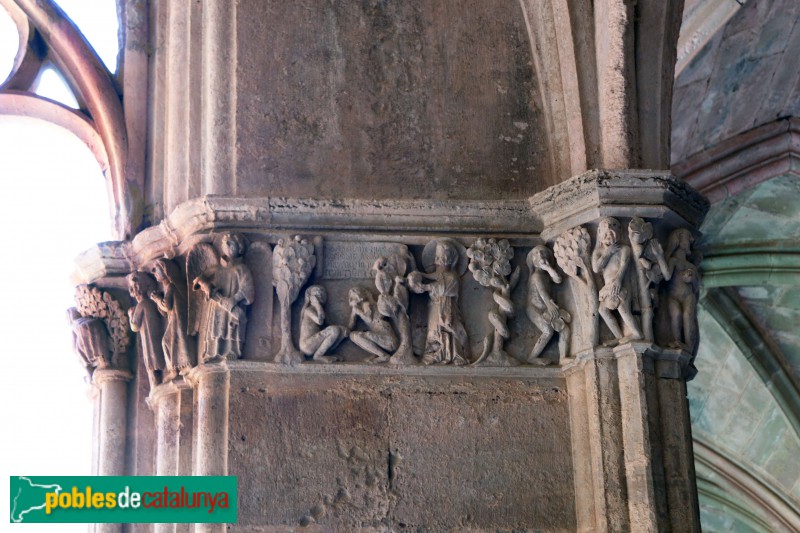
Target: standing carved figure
316 339
613 258
446 341
572 250
542 309
490 264
380 339
146 322
222 288
393 301
682 290
651 268
292 263
179 348
89 341
100 329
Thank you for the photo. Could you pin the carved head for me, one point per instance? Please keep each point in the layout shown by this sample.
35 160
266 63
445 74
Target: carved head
316 292
231 246
446 255
680 239
161 271
608 231
140 285
358 295
538 257
639 231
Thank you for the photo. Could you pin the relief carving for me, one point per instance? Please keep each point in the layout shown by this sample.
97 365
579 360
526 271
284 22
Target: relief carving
379 339
100 329
393 300
146 322
222 289
293 261
490 264
178 348
446 341
683 289
612 259
572 252
316 339
542 308
651 267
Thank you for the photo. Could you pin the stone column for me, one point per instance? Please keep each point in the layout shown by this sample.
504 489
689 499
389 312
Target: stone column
112 433
613 234
165 400
211 383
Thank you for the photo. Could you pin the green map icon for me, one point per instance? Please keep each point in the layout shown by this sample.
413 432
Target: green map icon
28 498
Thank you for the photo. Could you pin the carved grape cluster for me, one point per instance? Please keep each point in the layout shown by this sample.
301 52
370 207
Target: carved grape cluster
490 261
571 246
94 303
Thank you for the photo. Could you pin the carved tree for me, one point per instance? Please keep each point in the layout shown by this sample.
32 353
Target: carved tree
572 250
93 303
293 261
490 264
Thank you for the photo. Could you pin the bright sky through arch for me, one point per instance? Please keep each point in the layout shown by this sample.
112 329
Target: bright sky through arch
53 205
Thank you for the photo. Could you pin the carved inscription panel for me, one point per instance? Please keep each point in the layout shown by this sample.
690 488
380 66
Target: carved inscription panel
354 260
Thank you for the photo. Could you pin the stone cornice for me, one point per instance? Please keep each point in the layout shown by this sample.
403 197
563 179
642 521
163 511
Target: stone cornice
744 160
598 193
581 199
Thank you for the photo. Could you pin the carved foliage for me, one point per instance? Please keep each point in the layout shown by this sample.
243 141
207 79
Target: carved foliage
92 302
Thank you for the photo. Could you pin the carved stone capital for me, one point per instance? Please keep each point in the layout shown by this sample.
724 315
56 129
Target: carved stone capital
107 375
203 371
162 391
595 194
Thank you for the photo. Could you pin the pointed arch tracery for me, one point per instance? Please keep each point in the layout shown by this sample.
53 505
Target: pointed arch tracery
45 32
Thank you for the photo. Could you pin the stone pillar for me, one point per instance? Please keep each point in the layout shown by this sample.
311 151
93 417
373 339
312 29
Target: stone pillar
165 400
112 433
211 383
631 436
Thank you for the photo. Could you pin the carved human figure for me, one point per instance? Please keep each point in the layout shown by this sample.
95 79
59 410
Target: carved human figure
682 290
612 259
100 329
651 268
316 339
446 340
228 290
293 261
146 321
542 309
393 301
89 341
179 349
490 264
379 339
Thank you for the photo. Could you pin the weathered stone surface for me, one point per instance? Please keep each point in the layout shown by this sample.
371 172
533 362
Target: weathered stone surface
387 100
396 450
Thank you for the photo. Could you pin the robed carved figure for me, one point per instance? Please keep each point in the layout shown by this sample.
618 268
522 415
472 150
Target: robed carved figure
222 289
179 350
146 322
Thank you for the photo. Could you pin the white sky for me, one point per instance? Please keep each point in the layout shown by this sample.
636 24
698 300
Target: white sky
53 205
